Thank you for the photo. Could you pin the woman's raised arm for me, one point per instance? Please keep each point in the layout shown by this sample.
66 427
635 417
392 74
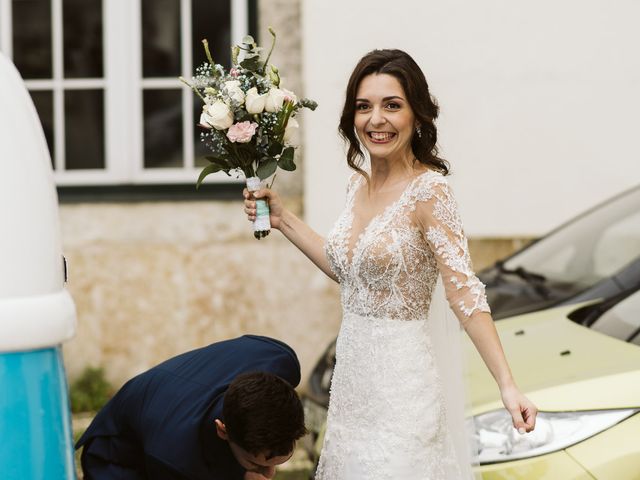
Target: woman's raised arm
298 232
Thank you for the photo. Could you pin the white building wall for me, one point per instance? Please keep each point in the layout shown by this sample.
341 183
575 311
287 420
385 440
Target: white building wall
539 101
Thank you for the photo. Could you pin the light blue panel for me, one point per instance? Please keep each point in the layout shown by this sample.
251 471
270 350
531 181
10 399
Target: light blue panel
35 424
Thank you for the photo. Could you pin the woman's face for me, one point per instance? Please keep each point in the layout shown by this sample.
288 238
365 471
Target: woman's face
384 120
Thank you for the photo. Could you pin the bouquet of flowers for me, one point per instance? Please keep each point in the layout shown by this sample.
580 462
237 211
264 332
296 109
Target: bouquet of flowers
247 119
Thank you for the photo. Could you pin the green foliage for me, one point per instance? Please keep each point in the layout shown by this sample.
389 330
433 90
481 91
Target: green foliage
310 104
208 170
252 63
90 391
275 149
286 160
267 168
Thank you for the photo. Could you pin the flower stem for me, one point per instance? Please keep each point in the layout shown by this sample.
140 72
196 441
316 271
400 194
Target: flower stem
192 88
273 44
273 180
283 119
205 43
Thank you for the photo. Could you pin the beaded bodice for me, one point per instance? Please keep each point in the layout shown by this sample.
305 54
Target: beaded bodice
394 264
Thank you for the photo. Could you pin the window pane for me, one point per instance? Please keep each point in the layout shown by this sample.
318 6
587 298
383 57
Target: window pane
162 128
43 100
84 129
211 20
82 30
32 38
161 38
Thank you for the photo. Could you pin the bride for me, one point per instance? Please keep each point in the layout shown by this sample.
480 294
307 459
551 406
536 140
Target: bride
395 408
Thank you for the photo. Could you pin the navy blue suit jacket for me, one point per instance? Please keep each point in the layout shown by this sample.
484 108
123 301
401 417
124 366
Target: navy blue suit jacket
160 424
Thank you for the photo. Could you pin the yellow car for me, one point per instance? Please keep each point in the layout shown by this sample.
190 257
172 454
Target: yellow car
581 367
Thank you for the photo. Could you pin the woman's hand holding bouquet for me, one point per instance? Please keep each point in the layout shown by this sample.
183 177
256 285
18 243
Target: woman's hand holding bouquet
276 208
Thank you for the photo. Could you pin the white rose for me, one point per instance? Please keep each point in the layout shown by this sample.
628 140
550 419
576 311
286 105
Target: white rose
254 102
290 130
275 99
234 91
218 115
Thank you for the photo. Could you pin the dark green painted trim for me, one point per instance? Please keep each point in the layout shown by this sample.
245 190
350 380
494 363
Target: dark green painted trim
149 193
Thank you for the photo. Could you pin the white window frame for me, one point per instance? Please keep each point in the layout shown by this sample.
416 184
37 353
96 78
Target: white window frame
123 87
6 44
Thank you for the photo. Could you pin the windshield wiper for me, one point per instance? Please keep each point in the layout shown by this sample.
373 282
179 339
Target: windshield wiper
534 279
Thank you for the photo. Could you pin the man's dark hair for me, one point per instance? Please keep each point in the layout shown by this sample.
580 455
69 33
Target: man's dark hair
263 414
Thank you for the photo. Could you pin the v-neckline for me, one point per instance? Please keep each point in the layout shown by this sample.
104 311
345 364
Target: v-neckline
352 250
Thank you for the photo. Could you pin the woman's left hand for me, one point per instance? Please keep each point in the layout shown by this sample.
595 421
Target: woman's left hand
522 411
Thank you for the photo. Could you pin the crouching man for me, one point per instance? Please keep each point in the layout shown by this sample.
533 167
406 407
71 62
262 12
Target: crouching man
223 412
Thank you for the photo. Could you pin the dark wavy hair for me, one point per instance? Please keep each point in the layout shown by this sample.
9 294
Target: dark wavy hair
263 413
424 106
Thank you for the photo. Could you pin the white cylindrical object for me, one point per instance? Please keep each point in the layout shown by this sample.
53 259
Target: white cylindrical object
39 321
35 309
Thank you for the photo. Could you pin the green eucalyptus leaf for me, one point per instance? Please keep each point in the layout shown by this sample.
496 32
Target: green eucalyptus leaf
208 170
286 160
267 168
244 116
252 64
275 149
308 103
221 162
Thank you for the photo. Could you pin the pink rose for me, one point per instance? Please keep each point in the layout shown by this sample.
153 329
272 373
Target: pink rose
242 132
234 72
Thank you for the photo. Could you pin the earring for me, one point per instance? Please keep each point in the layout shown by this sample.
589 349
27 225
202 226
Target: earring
419 131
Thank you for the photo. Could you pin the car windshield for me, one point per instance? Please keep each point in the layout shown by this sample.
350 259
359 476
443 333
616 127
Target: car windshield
592 247
622 321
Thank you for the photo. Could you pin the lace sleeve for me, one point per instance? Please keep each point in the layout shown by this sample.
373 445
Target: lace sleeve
438 216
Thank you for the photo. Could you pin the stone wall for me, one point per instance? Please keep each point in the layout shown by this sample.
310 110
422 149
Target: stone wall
154 280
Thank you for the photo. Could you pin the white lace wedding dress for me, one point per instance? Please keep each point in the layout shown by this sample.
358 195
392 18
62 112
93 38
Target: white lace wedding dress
387 411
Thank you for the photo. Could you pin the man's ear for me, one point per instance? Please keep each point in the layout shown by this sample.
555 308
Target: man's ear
221 430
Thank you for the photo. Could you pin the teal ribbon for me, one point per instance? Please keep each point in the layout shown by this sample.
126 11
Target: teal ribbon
262 209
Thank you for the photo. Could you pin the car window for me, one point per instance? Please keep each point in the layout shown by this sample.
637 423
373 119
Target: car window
621 321
590 248
618 244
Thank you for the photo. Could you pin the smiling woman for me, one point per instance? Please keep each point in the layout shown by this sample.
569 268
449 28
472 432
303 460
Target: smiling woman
397 249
